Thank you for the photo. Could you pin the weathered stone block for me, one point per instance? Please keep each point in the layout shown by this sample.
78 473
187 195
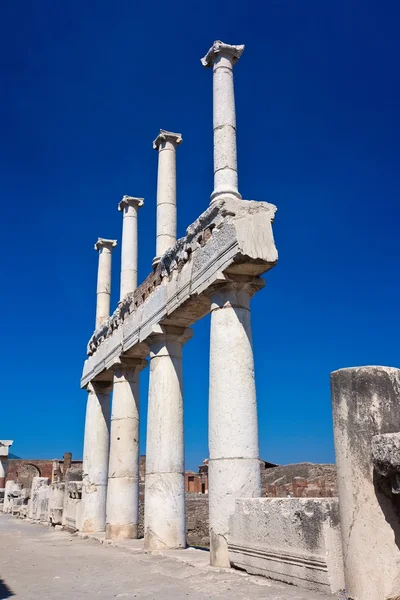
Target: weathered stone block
295 540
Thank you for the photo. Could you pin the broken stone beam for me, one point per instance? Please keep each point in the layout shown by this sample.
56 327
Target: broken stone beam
222 57
123 472
234 466
366 403
105 248
95 457
129 207
166 143
164 513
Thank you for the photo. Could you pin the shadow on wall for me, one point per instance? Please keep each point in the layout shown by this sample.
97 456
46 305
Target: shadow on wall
5 591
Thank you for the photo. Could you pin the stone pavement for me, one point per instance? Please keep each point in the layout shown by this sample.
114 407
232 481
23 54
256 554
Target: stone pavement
37 562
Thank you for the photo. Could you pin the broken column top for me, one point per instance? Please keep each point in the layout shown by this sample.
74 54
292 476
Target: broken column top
167 136
218 47
129 200
104 243
5 446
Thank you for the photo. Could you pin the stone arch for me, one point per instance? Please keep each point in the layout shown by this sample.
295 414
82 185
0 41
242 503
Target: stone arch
26 473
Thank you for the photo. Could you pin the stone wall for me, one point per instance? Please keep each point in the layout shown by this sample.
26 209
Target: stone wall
300 480
294 540
23 471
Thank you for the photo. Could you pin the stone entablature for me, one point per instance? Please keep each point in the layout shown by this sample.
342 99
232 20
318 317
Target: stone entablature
231 238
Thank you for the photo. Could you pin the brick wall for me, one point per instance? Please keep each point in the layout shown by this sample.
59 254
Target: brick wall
22 471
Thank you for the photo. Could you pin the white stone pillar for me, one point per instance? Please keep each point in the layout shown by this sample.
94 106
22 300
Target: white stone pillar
95 457
129 248
123 472
3 463
222 57
164 515
366 403
166 143
233 468
105 248
4 450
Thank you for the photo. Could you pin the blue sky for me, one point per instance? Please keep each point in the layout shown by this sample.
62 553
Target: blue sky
85 87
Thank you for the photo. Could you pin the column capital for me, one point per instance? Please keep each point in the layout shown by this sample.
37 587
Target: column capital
237 283
221 49
181 335
129 365
104 243
167 136
99 387
130 201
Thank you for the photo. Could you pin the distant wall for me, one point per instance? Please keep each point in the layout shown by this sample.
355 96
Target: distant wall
300 480
23 470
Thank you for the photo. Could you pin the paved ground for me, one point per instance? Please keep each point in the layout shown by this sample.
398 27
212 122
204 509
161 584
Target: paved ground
38 563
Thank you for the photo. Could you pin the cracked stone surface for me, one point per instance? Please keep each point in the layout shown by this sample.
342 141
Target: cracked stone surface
39 562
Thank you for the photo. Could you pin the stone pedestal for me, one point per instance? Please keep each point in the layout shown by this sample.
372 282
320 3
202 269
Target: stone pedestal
234 469
105 248
123 472
95 457
129 207
164 517
222 57
366 403
166 143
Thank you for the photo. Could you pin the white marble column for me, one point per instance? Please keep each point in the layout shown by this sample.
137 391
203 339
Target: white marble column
123 472
129 248
3 463
166 143
234 469
105 248
164 515
222 57
95 457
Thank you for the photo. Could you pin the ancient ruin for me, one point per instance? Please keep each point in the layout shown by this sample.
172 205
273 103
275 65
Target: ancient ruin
292 525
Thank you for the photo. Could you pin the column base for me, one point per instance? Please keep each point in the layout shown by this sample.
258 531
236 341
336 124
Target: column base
229 478
122 508
164 518
94 508
121 532
224 193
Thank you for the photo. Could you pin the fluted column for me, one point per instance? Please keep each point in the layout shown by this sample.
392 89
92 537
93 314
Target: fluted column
123 472
129 248
222 57
166 143
234 469
95 457
164 516
105 248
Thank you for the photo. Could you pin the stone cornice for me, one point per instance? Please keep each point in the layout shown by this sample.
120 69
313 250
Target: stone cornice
130 201
232 238
167 136
220 48
104 243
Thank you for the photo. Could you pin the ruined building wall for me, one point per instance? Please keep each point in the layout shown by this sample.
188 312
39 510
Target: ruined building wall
302 480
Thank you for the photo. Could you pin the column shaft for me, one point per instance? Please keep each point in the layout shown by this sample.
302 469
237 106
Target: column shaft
234 469
166 144
165 523
224 118
129 248
123 472
222 57
95 458
3 463
105 248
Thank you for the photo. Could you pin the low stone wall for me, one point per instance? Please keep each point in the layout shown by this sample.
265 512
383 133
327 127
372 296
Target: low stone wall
294 540
300 480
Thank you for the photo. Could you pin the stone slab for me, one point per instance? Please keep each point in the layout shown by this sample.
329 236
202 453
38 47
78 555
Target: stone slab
295 540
